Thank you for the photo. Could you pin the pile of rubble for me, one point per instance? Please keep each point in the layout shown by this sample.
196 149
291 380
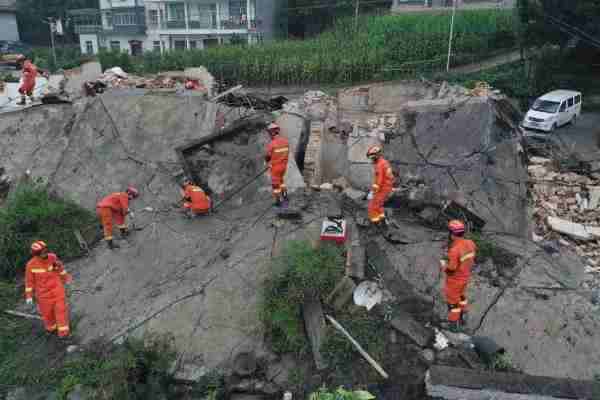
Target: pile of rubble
566 207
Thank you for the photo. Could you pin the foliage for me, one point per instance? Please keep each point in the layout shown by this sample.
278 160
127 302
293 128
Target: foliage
368 330
210 386
386 47
7 77
488 249
299 269
66 57
32 213
501 363
341 394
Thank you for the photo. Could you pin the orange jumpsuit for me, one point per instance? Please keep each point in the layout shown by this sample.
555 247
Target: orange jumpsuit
382 187
29 74
195 199
277 157
461 257
46 278
114 206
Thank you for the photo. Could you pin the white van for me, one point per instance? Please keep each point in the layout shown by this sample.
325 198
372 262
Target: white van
552 110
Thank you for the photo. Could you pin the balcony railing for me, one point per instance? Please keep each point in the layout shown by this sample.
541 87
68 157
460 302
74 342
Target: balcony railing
212 23
87 29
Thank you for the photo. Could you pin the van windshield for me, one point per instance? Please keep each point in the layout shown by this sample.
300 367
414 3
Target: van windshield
550 107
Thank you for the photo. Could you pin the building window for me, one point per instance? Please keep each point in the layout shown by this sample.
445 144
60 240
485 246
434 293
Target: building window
156 46
124 19
115 45
193 44
108 19
180 45
176 12
237 8
153 17
89 47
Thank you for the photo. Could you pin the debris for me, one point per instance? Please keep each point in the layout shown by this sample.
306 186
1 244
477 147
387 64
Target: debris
539 160
22 315
249 100
453 210
341 293
116 72
288 213
574 230
428 355
354 194
225 93
315 327
326 186
358 347
441 342
341 184
334 229
367 294
409 327
244 364
457 338
355 257
72 348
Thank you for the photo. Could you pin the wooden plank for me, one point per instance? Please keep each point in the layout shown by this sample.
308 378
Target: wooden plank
22 315
314 322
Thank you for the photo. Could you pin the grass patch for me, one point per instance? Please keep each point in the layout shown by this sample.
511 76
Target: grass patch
298 269
32 213
487 249
386 47
28 358
369 330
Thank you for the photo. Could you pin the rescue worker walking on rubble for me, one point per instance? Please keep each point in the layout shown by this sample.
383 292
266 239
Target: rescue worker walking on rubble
277 158
195 201
382 186
30 72
115 207
45 276
461 257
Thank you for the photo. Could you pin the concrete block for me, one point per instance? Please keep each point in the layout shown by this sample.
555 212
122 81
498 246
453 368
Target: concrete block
574 230
408 326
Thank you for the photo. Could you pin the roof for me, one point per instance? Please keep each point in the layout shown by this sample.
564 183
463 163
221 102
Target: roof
8 5
559 95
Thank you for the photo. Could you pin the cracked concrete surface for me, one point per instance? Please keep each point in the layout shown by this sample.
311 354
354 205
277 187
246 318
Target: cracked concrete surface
200 279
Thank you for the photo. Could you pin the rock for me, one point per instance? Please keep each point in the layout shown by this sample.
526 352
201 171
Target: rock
341 183
537 171
353 194
428 355
539 160
576 231
244 364
72 349
280 372
326 186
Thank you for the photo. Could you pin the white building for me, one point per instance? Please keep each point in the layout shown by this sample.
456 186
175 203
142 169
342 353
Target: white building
136 26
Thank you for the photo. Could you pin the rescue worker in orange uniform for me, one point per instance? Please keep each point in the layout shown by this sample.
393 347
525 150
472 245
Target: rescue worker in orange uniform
461 257
382 185
45 276
277 157
195 201
30 72
115 207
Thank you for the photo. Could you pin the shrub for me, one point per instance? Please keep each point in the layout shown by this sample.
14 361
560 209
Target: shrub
300 268
32 213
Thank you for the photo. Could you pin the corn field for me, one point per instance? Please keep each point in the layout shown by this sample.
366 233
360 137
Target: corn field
384 47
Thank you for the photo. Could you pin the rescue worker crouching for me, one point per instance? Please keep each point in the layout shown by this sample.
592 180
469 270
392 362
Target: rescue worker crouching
30 72
382 185
115 207
45 277
195 201
277 158
461 257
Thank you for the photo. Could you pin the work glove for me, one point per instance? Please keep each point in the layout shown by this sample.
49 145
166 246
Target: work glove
29 302
125 232
370 196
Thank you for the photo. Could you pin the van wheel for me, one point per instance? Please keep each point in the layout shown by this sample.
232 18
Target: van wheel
574 119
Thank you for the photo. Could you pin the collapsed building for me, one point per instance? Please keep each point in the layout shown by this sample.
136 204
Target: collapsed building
455 154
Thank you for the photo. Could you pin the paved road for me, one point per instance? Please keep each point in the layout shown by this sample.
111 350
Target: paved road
581 138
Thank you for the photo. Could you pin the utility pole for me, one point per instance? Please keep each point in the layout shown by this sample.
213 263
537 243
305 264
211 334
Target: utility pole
356 15
52 25
451 35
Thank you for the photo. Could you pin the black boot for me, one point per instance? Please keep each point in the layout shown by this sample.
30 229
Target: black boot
112 245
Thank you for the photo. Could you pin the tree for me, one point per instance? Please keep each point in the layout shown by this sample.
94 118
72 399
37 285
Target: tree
31 13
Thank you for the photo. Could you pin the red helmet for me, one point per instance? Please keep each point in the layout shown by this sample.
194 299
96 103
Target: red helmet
37 247
132 192
273 129
456 226
374 151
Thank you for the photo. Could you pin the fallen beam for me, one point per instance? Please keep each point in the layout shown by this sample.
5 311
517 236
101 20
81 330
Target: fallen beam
409 327
358 347
314 323
457 383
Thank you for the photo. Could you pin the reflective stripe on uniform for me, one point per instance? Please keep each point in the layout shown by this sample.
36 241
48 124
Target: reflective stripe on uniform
463 303
121 226
277 191
198 190
455 310
63 273
467 257
51 328
38 270
108 238
281 150
63 328
27 290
